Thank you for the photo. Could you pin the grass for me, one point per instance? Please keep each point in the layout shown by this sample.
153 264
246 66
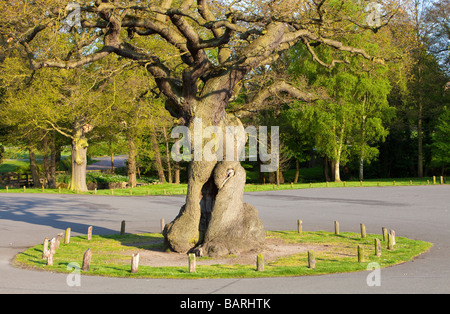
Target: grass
112 255
180 189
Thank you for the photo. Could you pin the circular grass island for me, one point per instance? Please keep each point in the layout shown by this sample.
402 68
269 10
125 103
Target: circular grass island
285 254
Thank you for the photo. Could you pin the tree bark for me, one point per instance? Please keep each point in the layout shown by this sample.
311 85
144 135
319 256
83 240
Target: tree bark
214 221
34 169
158 160
79 159
131 162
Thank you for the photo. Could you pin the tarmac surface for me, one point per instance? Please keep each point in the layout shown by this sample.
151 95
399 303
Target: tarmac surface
417 212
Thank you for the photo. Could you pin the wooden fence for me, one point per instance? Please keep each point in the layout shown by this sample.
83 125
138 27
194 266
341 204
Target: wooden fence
13 179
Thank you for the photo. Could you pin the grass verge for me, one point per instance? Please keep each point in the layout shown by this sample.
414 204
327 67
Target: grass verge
180 189
112 256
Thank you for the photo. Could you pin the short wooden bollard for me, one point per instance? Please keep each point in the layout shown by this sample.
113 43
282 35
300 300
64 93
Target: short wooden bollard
292 185
122 227
45 250
390 245
112 191
89 233
299 226
7 189
336 227
384 232
377 247
67 236
360 253
50 253
442 180
24 188
52 245
59 189
191 261
392 233
134 263
326 184
310 184
163 224
434 179
95 191
87 260
259 262
311 259
58 240
42 188
345 184
363 231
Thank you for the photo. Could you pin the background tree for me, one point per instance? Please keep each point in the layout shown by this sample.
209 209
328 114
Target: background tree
241 36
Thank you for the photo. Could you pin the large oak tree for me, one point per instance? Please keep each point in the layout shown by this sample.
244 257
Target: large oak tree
217 44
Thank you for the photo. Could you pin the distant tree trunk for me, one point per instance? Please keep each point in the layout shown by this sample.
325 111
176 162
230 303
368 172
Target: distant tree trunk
177 172
297 171
169 168
79 159
158 160
48 144
111 153
131 162
34 168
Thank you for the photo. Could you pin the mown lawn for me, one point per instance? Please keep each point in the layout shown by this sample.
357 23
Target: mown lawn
112 256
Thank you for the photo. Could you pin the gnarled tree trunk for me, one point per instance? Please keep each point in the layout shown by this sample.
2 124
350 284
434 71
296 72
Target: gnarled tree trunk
214 221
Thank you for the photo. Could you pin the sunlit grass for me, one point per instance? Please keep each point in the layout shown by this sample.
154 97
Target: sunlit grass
112 255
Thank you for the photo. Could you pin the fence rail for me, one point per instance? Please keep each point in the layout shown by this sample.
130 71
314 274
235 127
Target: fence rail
15 179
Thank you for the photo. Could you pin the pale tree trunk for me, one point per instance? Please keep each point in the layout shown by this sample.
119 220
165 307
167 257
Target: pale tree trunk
159 166
169 168
131 162
79 159
214 220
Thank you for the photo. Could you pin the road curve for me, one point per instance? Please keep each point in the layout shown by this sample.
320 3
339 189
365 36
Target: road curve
417 212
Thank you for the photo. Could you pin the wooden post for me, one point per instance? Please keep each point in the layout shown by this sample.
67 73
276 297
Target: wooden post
384 231
434 179
191 260
360 183
67 236
299 226
345 184
336 227
442 180
24 189
52 246
392 232
122 227
59 189
134 263
310 184
311 259
377 247
363 231
260 262
112 191
45 250
42 187
163 224
7 189
50 259
89 233
394 183
58 240
87 260
292 185
360 253
95 191
327 184
390 245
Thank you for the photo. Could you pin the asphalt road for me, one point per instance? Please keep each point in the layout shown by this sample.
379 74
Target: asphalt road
420 212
